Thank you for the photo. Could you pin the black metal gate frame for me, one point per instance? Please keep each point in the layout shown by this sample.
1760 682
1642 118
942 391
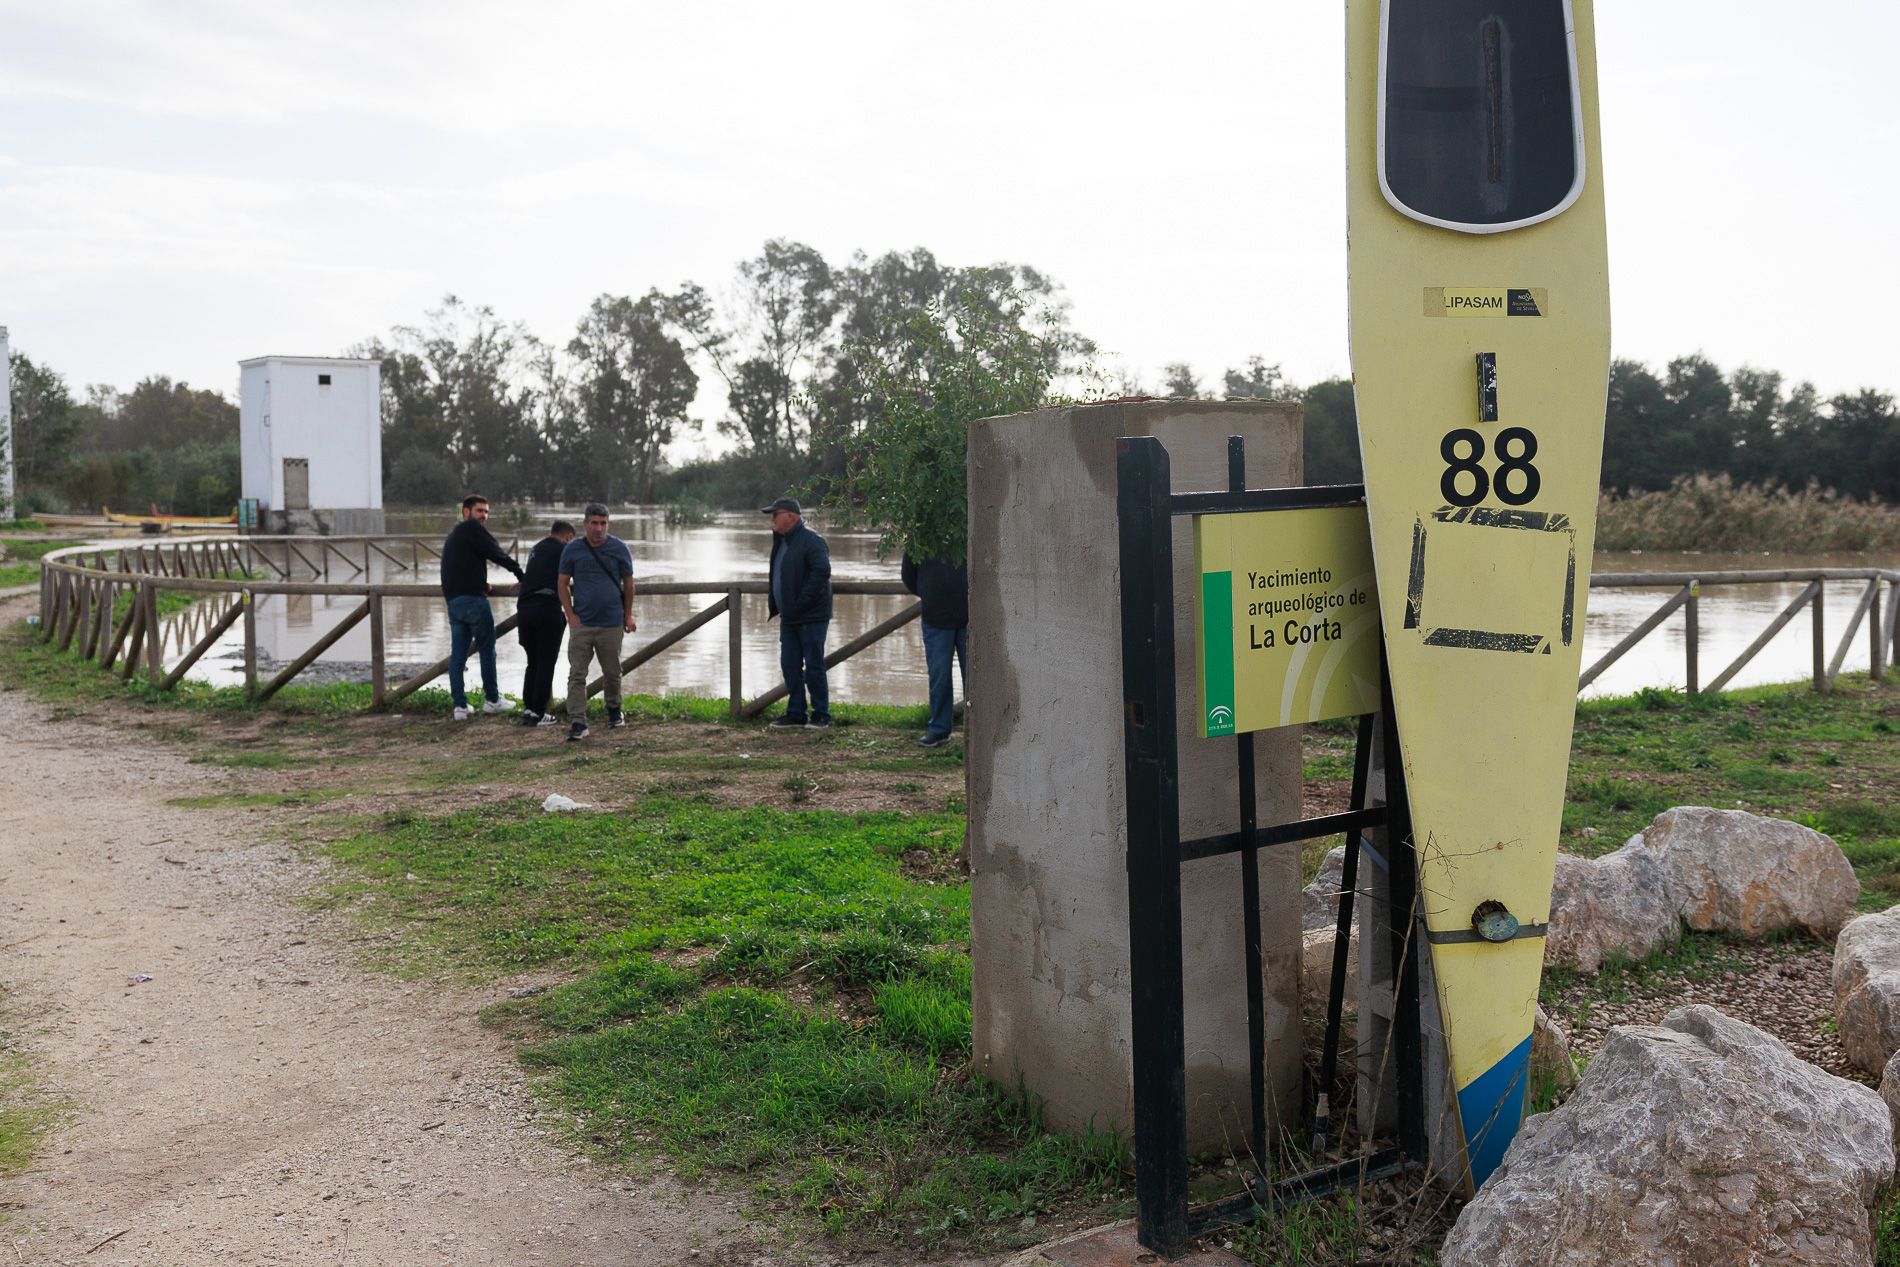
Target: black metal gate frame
1146 507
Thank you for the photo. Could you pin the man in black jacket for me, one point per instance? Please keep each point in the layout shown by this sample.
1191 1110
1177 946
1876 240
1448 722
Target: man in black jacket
542 623
466 554
800 596
945 591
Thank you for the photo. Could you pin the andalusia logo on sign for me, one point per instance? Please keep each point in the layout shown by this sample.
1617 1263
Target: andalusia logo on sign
1217 652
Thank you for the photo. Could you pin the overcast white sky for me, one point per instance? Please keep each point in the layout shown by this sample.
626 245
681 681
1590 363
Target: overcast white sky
188 183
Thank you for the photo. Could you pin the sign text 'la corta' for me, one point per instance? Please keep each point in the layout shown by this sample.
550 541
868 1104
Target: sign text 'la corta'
1287 618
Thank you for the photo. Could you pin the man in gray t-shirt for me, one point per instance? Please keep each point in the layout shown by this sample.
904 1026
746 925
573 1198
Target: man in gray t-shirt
596 588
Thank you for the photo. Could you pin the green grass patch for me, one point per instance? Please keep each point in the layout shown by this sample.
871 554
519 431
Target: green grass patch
13 575
170 601
65 677
1887 1230
770 994
1829 759
248 758
23 548
529 887
872 1140
25 1112
1868 832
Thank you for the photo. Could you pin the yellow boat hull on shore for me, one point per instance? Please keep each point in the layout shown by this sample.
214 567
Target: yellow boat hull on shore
1480 348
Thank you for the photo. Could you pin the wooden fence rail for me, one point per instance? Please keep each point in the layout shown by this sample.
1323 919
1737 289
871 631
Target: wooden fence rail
80 588
84 578
1883 641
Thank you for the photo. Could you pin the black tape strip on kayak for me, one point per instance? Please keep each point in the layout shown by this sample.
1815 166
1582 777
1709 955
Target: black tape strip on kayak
1458 936
1485 640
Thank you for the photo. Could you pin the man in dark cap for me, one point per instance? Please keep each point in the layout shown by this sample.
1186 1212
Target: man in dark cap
800 596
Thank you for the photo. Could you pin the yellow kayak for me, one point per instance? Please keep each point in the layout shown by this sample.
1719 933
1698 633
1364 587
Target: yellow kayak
1480 348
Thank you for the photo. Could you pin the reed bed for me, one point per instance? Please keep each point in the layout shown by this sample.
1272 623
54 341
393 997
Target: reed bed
1712 512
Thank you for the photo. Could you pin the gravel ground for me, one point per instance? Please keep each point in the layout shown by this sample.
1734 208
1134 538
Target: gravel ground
1780 987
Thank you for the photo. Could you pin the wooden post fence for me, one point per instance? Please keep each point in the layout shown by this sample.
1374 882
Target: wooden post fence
311 652
735 653
839 656
378 662
661 643
80 589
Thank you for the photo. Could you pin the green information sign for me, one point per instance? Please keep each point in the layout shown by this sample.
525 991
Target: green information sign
1286 617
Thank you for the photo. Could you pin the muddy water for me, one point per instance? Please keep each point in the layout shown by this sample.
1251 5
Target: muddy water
736 546
1731 617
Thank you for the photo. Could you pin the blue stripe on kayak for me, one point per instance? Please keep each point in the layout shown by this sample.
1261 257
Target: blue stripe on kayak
1492 1107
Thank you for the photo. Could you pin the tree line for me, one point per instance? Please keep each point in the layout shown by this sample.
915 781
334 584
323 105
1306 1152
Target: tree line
163 443
849 381
1661 428
471 401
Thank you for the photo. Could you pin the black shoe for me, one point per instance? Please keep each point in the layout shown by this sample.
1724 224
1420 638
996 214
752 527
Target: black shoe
530 718
577 731
819 723
788 723
615 719
933 741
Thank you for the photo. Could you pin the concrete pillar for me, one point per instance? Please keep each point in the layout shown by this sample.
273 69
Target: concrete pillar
6 428
1047 815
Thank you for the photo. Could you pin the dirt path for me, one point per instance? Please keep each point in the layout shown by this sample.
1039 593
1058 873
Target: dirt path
261 1099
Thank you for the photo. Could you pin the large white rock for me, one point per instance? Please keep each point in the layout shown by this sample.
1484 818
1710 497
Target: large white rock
1700 1142
1749 875
1711 868
1867 988
1617 905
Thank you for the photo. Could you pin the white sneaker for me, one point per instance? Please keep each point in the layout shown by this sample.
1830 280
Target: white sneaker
548 719
498 706
463 712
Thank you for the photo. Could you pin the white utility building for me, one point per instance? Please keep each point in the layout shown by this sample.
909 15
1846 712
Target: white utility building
312 441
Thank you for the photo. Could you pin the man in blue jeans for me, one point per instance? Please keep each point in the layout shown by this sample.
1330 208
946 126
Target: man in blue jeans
466 554
944 589
800 596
